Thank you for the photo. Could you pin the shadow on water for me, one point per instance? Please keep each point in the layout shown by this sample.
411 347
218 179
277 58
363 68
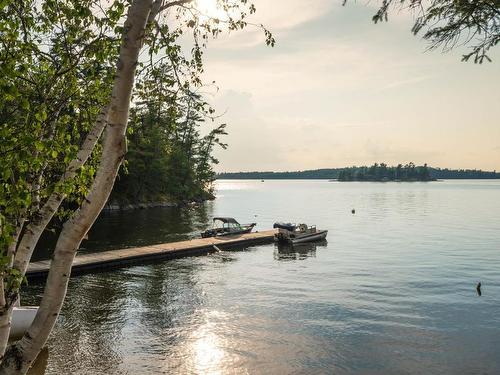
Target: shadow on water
298 251
135 228
105 308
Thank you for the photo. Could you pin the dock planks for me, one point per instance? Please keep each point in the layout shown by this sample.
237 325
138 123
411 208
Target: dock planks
89 262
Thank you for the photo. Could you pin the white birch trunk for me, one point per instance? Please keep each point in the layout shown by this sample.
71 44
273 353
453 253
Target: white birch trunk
35 229
5 319
7 300
21 249
20 356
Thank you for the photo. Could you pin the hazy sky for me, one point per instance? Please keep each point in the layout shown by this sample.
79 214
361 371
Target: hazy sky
338 90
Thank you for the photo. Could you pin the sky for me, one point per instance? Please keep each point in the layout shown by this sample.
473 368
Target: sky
338 90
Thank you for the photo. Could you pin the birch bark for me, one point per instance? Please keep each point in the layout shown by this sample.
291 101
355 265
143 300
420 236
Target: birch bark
21 355
22 248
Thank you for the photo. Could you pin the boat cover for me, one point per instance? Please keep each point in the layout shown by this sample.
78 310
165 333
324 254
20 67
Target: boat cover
287 226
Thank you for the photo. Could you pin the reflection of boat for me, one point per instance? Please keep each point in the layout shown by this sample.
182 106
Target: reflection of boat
22 317
298 233
287 251
224 226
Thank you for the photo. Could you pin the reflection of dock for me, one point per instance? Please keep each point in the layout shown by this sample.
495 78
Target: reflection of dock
138 255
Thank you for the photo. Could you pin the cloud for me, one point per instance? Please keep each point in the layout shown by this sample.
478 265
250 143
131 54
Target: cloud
252 139
378 150
280 72
279 16
404 82
287 14
338 90
236 103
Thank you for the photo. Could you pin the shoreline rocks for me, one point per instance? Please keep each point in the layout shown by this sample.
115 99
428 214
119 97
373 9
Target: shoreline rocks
116 206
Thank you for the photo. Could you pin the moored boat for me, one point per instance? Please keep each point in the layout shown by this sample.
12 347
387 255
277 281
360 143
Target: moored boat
295 234
225 226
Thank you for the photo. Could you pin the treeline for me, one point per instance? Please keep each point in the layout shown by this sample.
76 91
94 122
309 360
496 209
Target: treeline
463 173
168 159
333 173
382 172
309 174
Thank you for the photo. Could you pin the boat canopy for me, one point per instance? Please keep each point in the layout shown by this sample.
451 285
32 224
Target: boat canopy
288 226
225 220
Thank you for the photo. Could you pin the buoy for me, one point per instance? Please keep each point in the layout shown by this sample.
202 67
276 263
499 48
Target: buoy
478 289
353 211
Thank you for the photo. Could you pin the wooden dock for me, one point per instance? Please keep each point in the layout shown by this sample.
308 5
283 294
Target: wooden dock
89 262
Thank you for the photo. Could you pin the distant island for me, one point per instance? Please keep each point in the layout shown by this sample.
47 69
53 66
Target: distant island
382 172
376 172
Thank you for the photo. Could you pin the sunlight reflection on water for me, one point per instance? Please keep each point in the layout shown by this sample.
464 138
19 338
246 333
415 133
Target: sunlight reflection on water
207 349
392 290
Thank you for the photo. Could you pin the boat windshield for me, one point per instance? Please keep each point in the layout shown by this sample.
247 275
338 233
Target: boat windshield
228 223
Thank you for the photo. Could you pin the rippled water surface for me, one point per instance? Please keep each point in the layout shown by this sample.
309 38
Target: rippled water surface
392 291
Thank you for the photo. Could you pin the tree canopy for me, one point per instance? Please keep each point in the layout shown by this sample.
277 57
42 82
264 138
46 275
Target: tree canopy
168 158
383 172
446 24
68 70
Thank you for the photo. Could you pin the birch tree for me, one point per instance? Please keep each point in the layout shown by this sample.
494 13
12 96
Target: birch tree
69 69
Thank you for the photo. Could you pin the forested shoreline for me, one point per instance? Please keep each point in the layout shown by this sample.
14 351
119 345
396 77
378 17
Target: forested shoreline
169 160
334 173
90 93
382 172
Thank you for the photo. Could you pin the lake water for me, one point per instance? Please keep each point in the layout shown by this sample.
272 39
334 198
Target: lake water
392 291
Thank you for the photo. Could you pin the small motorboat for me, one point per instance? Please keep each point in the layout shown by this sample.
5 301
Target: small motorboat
294 234
22 317
225 226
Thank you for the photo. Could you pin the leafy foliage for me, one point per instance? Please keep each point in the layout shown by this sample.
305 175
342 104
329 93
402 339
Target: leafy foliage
57 67
56 72
68 67
448 23
58 61
168 158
